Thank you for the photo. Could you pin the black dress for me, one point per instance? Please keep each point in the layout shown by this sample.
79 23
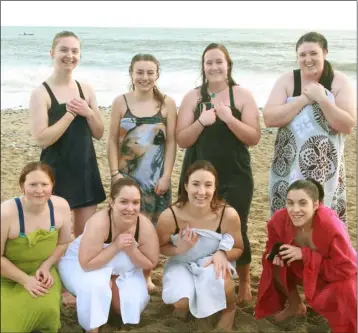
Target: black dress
73 159
231 159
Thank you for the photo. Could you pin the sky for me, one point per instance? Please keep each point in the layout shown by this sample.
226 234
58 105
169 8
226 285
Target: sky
325 15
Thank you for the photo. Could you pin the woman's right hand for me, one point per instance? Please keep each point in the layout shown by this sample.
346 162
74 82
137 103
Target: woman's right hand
34 287
306 99
207 117
123 241
186 240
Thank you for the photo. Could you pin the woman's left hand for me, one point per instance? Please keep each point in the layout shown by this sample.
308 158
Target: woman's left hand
290 253
223 112
162 186
221 265
44 276
79 106
314 91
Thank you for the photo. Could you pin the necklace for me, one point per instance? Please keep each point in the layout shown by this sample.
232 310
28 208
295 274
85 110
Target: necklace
213 94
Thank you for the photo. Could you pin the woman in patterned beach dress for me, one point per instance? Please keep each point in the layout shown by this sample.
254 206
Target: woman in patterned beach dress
314 109
141 142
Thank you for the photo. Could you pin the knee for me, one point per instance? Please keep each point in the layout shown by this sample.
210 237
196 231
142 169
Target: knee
183 303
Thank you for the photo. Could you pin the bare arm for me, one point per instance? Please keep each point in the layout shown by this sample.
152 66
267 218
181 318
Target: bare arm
146 255
92 255
64 233
8 269
278 113
248 129
170 144
94 118
341 116
232 225
43 134
113 136
188 131
165 228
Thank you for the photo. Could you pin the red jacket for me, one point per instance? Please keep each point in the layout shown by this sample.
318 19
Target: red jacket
329 273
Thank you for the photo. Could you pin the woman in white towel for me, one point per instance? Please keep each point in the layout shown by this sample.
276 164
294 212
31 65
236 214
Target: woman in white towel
104 266
202 237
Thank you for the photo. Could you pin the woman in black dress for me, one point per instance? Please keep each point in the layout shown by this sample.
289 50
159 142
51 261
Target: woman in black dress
64 117
217 122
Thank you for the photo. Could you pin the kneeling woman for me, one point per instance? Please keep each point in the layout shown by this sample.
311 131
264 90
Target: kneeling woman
202 236
313 250
105 264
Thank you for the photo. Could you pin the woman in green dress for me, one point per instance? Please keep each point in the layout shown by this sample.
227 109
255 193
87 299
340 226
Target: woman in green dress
35 232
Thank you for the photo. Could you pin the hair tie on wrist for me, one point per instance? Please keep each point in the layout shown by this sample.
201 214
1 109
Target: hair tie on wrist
201 123
73 114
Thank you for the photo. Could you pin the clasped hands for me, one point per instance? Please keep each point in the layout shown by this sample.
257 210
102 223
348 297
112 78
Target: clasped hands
79 107
288 254
220 110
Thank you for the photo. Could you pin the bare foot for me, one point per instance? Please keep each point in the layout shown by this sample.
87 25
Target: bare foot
150 285
244 296
227 319
68 299
291 310
181 313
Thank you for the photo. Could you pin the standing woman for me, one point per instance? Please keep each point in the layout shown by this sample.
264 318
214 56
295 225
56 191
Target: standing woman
314 109
64 117
217 122
141 142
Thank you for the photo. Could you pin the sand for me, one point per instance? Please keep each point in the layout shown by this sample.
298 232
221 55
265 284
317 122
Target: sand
17 149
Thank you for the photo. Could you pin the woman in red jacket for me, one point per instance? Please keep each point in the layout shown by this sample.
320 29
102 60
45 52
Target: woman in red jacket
309 245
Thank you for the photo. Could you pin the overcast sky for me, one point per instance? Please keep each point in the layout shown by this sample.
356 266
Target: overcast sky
325 15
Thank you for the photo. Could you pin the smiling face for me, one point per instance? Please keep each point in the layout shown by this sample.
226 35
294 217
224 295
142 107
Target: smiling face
37 187
200 188
310 58
144 75
215 66
66 53
126 204
300 207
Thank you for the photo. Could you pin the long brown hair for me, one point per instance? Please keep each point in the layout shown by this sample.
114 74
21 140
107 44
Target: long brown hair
158 96
33 166
216 202
315 37
204 84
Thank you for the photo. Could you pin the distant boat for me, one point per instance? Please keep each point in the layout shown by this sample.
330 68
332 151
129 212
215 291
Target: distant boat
26 34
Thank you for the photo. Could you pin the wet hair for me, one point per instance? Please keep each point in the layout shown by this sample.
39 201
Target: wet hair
203 88
315 37
311 186
33 166
216 202
118 185
158 96
62 34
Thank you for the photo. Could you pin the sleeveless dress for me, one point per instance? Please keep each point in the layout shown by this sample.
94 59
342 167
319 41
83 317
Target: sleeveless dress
142 155
20 312
73 159
309 148
232 161
92 290
185 275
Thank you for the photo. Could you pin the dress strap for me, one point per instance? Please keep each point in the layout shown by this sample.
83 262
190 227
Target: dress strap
80 90
21 217
296 82
176 222
52 96
232 101
109 238
136 235
218 230
52 215
125 99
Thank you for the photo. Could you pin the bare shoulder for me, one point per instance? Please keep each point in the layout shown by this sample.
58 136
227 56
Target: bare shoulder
170 105
169 100
119 102
242 92
231 214
146 224
8 211
59 202
339 80
193 95
39 93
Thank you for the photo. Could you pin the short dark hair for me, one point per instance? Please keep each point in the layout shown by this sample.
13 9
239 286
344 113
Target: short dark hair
311 186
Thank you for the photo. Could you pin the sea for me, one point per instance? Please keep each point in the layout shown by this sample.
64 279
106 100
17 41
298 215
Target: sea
259 57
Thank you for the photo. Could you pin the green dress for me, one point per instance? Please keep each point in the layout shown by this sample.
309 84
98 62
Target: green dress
20 312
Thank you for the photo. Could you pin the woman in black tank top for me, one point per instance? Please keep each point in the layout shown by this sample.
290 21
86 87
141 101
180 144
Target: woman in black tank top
64 117
218 122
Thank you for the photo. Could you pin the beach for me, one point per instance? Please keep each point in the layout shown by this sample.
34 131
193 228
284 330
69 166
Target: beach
17 149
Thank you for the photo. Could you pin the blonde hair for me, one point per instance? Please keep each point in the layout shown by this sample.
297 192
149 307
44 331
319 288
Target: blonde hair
61 35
